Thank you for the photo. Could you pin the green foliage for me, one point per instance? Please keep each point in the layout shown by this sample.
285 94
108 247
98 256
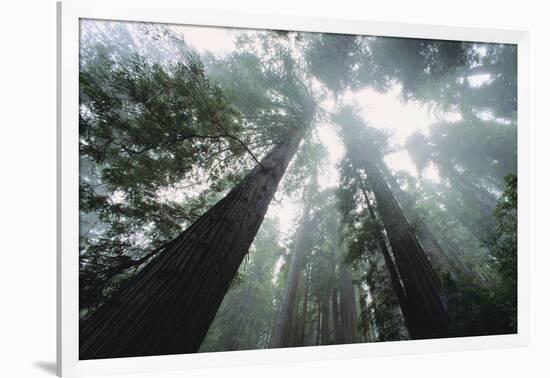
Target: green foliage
434 205
363 234
476 309
504 247
480 149
267 83
352 62
416 64
334 59
491 308
147 131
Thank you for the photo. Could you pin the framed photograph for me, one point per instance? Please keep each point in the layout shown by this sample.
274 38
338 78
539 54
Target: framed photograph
285 189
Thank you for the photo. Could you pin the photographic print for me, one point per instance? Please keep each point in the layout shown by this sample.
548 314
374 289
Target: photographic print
249 189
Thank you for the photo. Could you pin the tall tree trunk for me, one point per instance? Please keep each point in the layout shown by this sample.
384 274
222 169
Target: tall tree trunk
364 314
269 331
325 320
378 326
388 260
427 317
348 308
440 258
169 306
338 338
285 319
242 319
302 331
318 334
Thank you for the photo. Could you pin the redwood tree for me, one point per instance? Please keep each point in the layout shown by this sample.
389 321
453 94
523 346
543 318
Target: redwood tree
282 336
425 314
168 307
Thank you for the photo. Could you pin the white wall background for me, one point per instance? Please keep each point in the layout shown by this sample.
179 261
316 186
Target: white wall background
27 187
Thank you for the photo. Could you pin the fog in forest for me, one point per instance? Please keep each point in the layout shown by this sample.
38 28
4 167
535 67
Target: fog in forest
248 189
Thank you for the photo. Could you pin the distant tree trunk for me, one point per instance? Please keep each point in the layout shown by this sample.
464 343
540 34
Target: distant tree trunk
337 329
348 308
364 314
318 333
372 328
168 307
269 331
302 331
285 319
242 320
325 321
378 326
338 337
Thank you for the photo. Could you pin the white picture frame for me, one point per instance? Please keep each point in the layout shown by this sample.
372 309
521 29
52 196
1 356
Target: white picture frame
170 11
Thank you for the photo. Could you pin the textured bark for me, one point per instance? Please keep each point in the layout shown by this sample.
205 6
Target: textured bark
426 315
168 307
388 260
285 319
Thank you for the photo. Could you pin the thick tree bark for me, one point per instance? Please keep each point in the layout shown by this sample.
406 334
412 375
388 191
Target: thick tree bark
388 260
285 319
427 317
168 307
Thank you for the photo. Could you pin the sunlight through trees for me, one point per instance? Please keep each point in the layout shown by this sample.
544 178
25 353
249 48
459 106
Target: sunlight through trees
245 189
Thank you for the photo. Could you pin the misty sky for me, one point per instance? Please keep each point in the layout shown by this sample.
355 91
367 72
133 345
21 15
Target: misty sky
381 110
